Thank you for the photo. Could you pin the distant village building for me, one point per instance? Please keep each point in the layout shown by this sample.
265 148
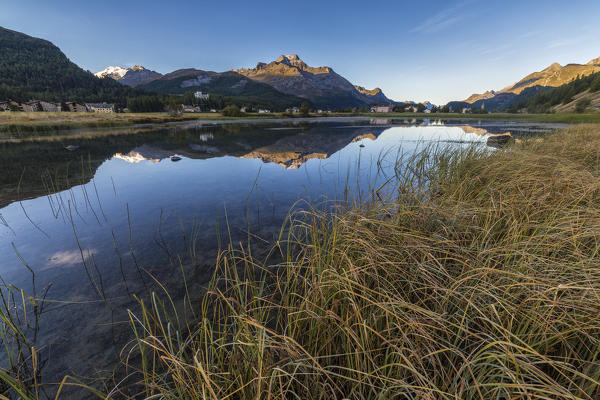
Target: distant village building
293 110
382 109
244 109
264 111
190 109
31 106
4 106
75 107
50 107
15 106
201 96
103 108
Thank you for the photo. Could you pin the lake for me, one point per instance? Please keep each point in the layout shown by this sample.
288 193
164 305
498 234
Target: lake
96 215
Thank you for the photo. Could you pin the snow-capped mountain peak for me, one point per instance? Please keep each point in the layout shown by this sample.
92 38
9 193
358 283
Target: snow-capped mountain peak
133 77
112 72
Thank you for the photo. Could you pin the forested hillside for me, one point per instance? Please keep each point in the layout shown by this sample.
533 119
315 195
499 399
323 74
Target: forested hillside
233 86
571 92
32 68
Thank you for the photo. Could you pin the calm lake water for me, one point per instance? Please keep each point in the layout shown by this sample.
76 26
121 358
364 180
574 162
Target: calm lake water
93 221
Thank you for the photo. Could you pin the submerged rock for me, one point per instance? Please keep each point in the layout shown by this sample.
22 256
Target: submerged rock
499 140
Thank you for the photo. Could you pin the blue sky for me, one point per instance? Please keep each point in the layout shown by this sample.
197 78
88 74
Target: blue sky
434 50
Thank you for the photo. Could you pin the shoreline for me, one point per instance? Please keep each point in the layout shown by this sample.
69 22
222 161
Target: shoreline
20 123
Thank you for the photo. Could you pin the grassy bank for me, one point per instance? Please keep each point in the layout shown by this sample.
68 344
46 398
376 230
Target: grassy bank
38 122
480 279
19 122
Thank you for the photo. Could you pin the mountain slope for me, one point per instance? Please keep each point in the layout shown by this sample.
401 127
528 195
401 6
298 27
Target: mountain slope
499 101
566 98
133 77
321 85
35 68
229 84
553 76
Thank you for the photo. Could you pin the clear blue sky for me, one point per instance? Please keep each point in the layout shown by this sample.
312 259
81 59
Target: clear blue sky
434 50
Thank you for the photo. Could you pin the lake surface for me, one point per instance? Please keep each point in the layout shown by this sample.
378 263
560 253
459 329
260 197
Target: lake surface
94 221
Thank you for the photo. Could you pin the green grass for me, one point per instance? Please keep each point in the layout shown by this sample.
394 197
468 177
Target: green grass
478 279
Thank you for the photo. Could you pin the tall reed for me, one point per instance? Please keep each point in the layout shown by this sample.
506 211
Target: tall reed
479 279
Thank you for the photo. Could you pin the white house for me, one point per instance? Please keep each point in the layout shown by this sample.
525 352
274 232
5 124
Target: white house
382 109
102 108
201 96
190 109
264 111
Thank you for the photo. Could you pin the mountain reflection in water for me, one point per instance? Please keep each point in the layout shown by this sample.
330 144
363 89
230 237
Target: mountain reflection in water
120 207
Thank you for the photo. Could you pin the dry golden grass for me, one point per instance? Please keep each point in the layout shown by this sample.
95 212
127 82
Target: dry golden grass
480 279
32 117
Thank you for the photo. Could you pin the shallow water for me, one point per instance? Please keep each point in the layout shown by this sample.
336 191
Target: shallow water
95 222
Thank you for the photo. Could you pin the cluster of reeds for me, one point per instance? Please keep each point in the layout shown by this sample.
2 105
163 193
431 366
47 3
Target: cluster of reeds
479 279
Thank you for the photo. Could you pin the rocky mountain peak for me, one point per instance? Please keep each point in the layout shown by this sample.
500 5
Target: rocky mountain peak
321 85
138 68
292 60
288 57
595 61
372 92
554 67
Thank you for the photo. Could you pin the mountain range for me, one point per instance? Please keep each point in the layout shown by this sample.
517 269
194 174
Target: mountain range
33 68
553 76
288 77
321 85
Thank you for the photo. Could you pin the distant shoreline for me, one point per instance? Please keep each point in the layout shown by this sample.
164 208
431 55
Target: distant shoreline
18 122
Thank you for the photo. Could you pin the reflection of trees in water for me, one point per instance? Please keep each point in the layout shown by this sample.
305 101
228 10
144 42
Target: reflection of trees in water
42 165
